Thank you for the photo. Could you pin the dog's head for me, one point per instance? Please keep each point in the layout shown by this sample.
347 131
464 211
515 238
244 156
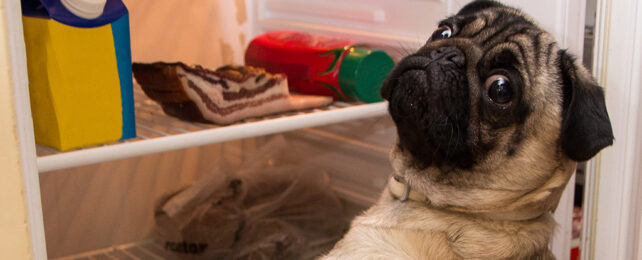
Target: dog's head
491 96
486 85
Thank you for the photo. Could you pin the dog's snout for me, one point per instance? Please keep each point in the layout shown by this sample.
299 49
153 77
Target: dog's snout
426 64
442 56
448 54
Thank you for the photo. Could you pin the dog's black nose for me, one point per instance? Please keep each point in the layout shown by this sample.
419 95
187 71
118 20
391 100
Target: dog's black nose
444 55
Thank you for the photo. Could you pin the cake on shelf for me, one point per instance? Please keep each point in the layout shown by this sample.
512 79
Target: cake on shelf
222 96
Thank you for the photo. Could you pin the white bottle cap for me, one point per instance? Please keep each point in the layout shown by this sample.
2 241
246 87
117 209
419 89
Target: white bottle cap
88 9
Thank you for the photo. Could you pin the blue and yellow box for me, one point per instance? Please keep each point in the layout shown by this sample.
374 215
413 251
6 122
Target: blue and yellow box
80 77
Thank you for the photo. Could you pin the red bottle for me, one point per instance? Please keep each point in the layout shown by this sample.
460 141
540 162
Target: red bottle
322 65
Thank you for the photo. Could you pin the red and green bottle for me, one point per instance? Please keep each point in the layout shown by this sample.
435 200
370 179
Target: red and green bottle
322 65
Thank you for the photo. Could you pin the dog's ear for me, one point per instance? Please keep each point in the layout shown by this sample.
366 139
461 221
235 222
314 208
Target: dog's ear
586 127
477 6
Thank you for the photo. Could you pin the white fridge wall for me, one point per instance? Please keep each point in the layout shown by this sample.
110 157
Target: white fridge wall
206 32
401 24
405 24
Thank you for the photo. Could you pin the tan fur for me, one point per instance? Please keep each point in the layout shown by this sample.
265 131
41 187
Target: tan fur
501 207
393 229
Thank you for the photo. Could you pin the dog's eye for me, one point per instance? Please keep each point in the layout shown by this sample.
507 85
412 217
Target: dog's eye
442 32
499 89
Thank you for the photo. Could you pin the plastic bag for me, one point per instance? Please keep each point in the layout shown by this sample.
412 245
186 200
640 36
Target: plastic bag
281 212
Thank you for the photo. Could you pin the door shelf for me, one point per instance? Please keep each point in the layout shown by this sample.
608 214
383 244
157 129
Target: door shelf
157 132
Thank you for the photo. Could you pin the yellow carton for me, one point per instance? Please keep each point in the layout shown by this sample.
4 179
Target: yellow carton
79 75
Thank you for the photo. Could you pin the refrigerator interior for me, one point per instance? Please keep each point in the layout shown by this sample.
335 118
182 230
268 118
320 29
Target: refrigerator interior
101 206
106 210
112 204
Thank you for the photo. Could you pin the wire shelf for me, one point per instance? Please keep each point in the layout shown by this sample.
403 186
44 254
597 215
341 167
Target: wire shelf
157 132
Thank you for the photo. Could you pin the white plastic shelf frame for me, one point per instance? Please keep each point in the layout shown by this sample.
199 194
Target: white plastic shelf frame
157 132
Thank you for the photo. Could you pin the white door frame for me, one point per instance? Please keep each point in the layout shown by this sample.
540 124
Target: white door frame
612 214
16 66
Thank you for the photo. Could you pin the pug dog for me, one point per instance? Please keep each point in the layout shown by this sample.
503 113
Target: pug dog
491 118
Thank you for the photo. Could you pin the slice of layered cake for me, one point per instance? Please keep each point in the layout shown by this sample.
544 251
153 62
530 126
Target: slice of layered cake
222 96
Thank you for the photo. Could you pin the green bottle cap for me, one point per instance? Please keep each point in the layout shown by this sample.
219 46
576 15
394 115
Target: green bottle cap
362 73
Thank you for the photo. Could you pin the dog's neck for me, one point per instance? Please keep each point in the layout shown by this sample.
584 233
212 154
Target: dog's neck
401 190
409 183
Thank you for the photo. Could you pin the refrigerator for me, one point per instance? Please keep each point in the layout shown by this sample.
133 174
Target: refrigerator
99 202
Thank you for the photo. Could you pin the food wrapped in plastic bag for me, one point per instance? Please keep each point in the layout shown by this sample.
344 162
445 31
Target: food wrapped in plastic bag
261 213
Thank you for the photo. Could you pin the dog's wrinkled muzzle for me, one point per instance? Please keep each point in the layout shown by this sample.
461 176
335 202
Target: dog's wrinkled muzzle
429 101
